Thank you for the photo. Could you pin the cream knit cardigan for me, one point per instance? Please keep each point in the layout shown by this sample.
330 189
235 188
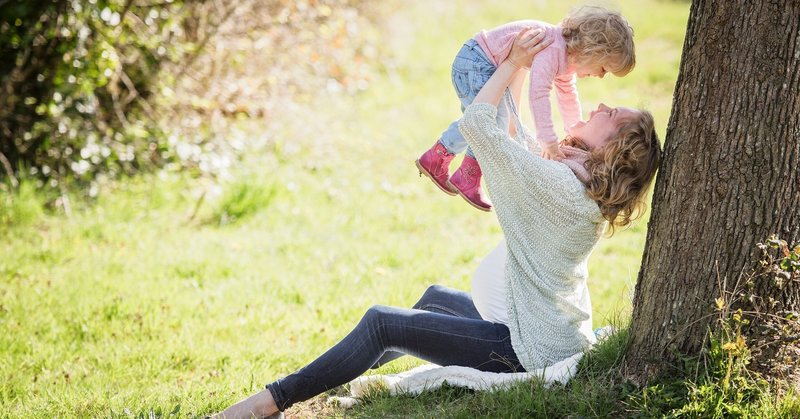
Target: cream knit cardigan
551 226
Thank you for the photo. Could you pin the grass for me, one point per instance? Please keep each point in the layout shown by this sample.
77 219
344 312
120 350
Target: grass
588 395
168 296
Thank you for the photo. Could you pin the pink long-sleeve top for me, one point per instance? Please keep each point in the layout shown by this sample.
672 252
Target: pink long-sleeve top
549 68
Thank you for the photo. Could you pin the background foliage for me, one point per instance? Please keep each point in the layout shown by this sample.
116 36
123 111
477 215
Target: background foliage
96 89
78 83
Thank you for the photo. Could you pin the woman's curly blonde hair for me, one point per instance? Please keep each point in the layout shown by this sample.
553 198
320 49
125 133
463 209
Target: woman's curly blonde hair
620 172
599 35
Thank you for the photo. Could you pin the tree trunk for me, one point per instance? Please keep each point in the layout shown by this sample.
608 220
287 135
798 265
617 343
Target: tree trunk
729 178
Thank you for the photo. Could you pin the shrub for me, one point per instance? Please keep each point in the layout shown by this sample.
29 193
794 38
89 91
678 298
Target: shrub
93 90
77 85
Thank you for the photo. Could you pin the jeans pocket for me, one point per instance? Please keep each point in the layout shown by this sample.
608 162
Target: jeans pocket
469 83
461 83
479 78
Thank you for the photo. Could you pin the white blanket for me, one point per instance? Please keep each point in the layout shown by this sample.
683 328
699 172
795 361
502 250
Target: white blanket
430 376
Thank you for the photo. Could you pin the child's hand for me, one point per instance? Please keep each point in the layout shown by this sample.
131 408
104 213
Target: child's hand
552 152
527 44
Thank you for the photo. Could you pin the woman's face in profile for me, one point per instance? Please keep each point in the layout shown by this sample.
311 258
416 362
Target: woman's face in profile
602 125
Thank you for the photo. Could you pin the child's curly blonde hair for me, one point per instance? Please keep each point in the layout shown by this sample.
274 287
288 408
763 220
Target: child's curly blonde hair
599 35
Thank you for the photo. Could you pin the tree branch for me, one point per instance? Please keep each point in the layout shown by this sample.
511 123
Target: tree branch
201 46
9 170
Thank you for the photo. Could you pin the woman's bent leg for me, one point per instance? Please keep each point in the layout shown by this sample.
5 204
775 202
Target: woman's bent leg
442 300
438 338
445 300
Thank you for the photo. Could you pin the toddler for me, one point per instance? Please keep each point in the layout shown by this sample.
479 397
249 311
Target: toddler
589 42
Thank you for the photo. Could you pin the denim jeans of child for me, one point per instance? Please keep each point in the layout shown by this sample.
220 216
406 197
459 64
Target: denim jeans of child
471 70
444 328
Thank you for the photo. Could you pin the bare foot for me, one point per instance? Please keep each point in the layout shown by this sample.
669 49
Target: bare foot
259 405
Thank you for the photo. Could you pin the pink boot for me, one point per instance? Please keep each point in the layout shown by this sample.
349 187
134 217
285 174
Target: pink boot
467 182
435 164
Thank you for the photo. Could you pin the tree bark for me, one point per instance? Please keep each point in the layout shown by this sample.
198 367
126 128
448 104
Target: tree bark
729 178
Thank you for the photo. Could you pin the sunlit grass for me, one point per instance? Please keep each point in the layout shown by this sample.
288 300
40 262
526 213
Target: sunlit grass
155 300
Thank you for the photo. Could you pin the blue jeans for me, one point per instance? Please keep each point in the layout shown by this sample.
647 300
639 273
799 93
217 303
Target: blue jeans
444 328
471 70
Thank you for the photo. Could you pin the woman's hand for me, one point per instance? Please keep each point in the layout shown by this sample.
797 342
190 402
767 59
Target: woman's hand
527 44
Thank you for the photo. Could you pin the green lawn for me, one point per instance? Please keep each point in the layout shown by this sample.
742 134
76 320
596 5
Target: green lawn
131 307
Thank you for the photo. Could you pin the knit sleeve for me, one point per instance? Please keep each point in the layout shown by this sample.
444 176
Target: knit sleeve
514 176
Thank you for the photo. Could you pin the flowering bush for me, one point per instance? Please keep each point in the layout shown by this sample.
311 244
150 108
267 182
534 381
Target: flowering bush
95 89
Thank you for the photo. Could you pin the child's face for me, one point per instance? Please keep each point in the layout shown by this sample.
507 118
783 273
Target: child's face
591 69
602 125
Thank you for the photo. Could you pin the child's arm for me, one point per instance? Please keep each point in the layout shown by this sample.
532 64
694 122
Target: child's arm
568 103
543 73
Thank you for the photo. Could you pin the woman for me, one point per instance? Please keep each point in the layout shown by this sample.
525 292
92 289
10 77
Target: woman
552 214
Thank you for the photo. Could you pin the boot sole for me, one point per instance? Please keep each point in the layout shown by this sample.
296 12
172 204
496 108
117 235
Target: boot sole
458 191
422 171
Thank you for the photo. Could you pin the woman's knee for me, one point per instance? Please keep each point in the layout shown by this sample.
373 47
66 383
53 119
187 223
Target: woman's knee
376 314
430 295
378 321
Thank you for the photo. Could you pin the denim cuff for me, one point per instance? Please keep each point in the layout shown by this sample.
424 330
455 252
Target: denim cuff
277 395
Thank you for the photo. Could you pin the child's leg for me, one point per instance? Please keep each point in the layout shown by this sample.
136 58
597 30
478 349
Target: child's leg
471 69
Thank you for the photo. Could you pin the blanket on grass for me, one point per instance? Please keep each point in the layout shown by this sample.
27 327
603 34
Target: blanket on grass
430 376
